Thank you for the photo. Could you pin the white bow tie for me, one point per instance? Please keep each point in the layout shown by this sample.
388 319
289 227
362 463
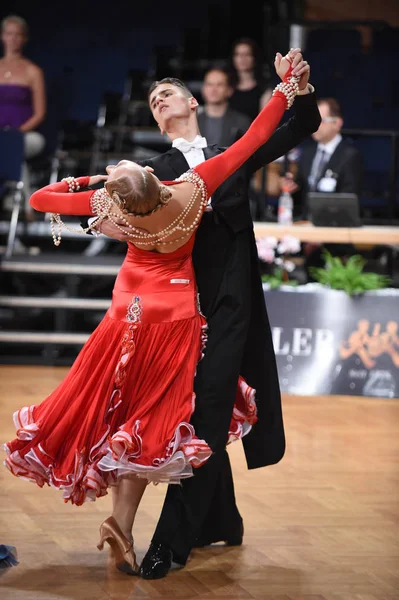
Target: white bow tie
185 146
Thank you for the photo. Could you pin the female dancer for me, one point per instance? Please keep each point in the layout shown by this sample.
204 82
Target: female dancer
121 416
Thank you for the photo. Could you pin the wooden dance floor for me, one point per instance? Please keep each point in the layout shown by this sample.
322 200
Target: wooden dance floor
320 525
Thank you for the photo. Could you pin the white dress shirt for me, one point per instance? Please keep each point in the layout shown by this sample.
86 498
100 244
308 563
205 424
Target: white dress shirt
193 153
323 154
331 146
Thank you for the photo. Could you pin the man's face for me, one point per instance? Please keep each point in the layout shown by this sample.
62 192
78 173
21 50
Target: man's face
168 102
329 126
215 88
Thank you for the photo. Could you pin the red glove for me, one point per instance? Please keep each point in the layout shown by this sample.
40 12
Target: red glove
55 198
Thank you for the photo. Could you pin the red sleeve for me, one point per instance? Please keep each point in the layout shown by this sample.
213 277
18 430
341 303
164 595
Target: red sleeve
217 169
55 198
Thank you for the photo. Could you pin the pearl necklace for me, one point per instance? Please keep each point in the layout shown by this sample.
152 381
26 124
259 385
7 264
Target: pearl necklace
101 206
57 223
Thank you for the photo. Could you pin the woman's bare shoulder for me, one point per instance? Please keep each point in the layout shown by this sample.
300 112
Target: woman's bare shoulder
32 69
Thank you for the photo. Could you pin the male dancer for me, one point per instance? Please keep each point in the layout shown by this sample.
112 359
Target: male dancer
203 509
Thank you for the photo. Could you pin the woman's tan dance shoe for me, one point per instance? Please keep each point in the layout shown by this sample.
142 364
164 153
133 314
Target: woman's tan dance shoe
125 557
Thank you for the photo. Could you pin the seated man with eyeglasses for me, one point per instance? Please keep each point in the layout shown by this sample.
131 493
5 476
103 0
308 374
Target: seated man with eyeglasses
327 164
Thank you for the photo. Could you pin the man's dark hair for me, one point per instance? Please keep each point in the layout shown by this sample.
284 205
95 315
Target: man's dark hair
171 81
333 106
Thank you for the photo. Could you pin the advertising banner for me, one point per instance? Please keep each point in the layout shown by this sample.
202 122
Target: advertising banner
327 342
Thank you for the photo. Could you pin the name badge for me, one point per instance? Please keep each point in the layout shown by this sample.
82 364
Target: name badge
327 184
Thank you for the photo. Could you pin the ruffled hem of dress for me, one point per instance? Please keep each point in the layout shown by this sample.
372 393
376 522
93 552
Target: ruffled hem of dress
116 457
120 455
244 412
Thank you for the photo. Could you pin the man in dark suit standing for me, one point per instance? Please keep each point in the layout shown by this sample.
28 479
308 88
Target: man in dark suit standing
203 509
217 122
329 163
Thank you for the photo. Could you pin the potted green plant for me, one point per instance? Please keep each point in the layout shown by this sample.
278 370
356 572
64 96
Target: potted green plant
349 275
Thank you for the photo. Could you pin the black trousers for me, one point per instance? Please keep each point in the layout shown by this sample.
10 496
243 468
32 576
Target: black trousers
205 503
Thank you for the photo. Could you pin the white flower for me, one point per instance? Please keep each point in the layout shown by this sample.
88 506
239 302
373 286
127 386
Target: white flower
289 245
269 241
266 254
266 246
289 266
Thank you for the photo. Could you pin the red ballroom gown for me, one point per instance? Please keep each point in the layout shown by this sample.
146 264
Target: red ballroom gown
124 407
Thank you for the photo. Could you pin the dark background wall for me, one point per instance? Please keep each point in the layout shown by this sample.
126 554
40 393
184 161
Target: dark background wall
86 48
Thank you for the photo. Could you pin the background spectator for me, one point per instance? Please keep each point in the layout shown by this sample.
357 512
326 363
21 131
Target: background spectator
22 92
218 123
251 88
328 163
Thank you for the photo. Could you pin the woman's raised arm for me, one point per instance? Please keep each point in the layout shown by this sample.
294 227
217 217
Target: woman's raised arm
57 197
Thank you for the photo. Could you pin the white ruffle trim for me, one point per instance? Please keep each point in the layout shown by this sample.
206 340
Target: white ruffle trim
183 453
117 457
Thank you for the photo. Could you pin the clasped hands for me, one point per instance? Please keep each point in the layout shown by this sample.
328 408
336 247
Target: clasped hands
300 67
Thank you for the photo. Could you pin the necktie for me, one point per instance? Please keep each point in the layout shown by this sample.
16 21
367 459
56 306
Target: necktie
185 146
317 168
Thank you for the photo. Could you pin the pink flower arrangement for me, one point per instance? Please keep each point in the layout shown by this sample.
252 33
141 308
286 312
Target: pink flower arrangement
274 251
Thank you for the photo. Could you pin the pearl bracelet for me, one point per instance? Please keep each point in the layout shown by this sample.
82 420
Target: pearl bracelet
73 184
289 88
103 203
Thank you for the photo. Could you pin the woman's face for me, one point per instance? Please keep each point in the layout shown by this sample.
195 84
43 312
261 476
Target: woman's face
243 59
13 37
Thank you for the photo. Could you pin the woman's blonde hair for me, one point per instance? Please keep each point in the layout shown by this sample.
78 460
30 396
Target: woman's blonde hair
137 192
15 19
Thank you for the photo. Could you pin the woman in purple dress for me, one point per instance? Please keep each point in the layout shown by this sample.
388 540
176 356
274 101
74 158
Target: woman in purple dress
22 91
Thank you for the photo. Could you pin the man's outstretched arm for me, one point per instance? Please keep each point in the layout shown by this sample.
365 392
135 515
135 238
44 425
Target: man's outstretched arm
300 126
